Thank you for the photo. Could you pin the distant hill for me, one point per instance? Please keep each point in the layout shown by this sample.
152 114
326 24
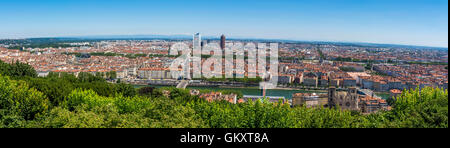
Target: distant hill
189 37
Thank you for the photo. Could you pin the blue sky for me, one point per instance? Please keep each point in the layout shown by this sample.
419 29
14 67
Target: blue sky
411 22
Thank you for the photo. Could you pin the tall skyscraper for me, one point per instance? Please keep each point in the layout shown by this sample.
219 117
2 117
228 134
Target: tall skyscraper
196 59
222 42
197 40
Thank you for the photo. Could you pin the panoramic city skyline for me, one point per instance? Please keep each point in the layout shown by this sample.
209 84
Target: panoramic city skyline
411 22
234 64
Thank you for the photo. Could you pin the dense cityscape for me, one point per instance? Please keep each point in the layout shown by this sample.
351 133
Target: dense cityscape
310 66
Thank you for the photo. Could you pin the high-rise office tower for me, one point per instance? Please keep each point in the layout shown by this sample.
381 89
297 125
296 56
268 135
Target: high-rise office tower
222 42
196 59
197 40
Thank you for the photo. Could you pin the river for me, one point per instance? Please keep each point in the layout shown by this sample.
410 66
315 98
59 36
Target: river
253 91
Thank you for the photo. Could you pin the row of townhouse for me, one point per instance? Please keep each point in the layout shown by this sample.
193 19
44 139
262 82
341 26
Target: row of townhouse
386 85
317 79
154 73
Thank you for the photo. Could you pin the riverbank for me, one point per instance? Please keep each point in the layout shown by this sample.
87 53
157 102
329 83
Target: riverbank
231 87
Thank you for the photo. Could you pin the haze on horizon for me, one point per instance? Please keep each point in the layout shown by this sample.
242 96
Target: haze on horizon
406 22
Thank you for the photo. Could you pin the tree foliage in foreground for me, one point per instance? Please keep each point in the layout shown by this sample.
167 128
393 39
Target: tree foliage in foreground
19 103
23 107
17 69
